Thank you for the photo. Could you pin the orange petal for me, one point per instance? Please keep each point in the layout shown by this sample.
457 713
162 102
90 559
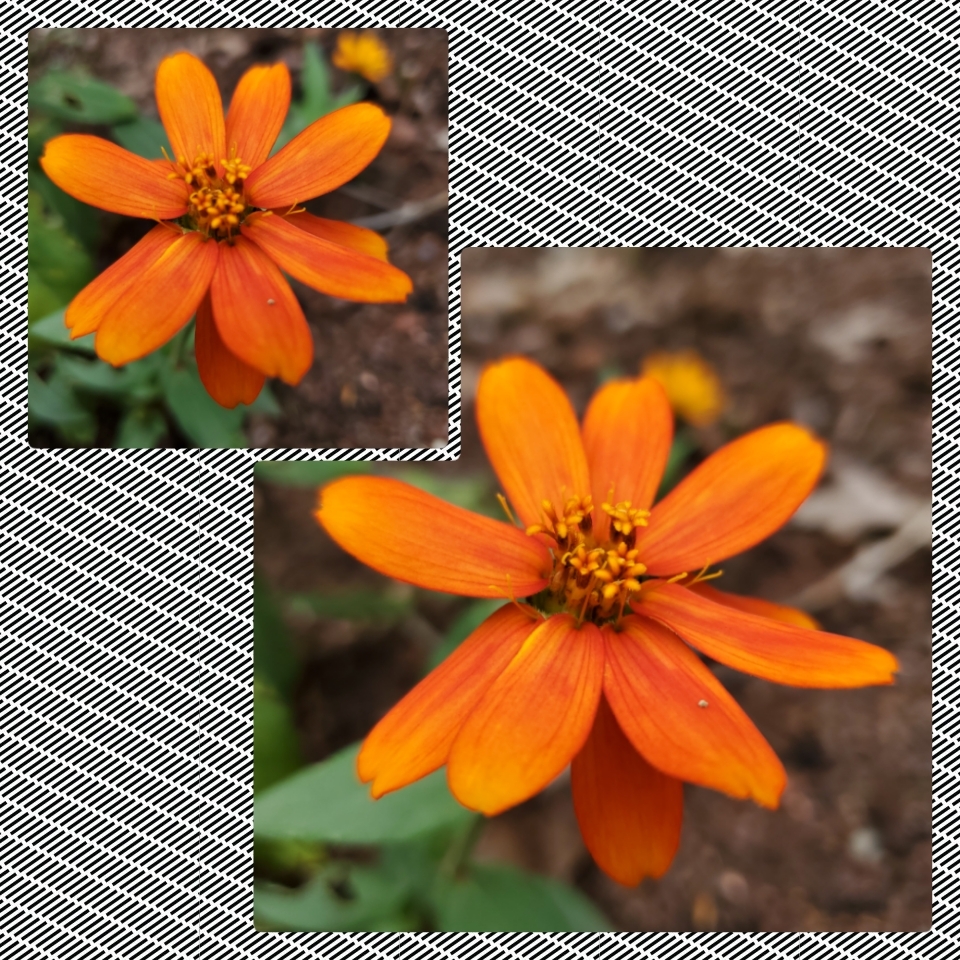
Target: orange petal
627 432
328 153
258 317
762 608
154 304
629 813
100 173
733 500
415 737
257 111
328 267
677 714
89 307
227 378
531 436
337 231
190 107
415 537
532 721
766 648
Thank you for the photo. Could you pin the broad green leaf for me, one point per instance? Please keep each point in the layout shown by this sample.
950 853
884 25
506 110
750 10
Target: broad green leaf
52 331
338 898
39 131
385 606
462 627
272 654
197 414
145 137
276 753
54 404
53 255
495 897
73 96
79 219
41 299
136 382
141 428
328 802
305 473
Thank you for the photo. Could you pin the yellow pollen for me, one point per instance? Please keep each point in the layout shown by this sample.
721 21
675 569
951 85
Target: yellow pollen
591 580
624 517
216 205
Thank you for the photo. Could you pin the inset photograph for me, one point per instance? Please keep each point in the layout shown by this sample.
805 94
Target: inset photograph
655 653
238 238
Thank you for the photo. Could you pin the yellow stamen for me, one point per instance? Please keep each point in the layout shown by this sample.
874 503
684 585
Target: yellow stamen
216 205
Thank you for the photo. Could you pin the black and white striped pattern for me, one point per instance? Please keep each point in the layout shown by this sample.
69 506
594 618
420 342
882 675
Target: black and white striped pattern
126 623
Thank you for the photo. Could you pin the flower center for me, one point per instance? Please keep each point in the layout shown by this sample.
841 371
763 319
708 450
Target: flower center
591 580
217 205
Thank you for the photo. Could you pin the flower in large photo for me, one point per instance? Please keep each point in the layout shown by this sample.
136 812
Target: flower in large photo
229 225
595 662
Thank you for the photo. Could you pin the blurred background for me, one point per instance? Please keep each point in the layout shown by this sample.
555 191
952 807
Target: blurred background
836 339
379 376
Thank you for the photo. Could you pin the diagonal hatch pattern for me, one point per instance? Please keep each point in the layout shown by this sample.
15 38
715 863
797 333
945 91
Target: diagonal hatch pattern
127 600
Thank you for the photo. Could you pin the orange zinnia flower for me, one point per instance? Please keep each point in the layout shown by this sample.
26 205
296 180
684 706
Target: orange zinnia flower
228 223
595 669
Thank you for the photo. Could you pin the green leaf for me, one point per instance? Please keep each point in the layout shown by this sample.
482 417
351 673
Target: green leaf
137 381
53 255
462 627
276 753
73 96
339 897
54 404
317 98
141 428
197 414
495 897
41 300
328 802
385 607
305 473
79 219
53 332
272 653
39 131
145 137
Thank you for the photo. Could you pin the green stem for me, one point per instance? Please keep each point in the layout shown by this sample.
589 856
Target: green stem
458 853
179 345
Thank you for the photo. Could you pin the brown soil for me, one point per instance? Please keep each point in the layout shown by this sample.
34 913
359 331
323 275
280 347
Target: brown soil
379 377
838 339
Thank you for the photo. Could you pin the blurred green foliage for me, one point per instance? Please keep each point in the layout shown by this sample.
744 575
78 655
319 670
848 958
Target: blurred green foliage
81 399
328 856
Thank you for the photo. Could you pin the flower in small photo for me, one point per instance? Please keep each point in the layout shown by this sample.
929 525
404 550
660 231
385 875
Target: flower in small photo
363 53
691 384
595 661
228 222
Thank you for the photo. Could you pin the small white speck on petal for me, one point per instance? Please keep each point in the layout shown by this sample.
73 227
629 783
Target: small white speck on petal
703 703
